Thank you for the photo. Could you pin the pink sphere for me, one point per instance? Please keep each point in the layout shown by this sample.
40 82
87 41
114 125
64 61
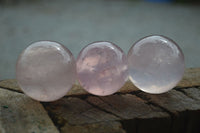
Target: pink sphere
45 71
102 68
156 64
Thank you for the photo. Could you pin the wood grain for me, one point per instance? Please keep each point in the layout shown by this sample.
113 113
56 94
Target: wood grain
20 114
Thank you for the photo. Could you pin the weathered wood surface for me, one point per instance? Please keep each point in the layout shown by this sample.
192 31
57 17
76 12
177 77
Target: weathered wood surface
128 111
20 114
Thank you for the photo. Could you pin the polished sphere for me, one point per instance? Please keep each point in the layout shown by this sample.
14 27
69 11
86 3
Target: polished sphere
156 64
46 71
102 68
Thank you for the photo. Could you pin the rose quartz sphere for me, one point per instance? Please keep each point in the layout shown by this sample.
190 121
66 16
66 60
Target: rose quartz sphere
45 71
102 68
156 64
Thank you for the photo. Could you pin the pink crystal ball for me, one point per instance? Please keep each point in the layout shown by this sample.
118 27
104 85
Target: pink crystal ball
102 68
156 64
45 71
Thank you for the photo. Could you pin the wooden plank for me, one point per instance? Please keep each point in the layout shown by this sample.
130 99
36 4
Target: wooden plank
127 106
194 116
77 116
184 110
91 113
20 114
76 111
191 78
192 92
101 127
173 101
10 84
134 112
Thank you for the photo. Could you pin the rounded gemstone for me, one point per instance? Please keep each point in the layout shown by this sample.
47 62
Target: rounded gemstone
102 68
46 70
156 64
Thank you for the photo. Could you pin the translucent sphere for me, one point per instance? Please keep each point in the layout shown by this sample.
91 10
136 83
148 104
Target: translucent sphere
45 71
156 64
102 68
